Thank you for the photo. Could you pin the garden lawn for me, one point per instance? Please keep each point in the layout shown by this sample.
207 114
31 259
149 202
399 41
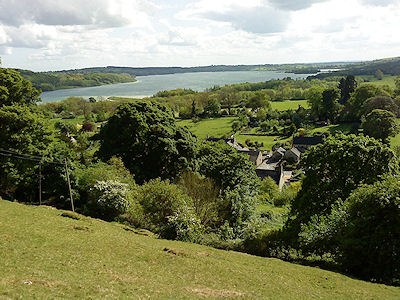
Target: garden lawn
46 255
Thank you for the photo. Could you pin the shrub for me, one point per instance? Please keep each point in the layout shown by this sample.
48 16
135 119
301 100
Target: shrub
287 195
167 210
87 126
108 199
268 190
362 232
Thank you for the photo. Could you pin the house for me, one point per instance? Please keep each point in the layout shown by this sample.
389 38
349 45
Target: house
231 142
292 155
278 155
273 170
256 157
302 143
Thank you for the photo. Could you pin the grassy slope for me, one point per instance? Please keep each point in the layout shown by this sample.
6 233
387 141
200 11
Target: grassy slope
63 257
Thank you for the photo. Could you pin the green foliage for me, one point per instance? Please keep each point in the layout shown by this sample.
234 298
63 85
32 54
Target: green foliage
381 102
25 131
287 195
347 86
88 177
380 124
236 176
16 90
268 190
205 195
259 100
334 169
49 81
330 107
213 108
362 232
168 210
361 95
108 199
144 134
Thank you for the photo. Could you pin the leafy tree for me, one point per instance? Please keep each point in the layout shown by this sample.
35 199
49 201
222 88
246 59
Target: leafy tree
361 95
314 99
379 74
25 130
204 193
380 124
259 100
334 169
268 190
236 176
168 210
397 88
144 134
16 90
361 232
212 108
347 86
330 107
381 102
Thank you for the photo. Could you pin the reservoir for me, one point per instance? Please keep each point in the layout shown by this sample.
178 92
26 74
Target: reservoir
150 85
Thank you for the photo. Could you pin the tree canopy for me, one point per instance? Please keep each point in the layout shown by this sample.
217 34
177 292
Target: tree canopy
380 124
334 169
16 90
144 134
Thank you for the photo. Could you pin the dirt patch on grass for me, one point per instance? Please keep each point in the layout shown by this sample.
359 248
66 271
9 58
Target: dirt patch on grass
175 252
71 215
81 227
207 292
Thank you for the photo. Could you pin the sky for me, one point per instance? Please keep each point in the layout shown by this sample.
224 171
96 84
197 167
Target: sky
47 35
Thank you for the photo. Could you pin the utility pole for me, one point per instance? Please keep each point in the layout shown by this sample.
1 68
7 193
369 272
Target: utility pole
40 183
69 186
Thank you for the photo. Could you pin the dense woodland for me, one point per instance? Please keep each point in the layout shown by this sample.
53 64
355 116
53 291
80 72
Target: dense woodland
132 163
50 81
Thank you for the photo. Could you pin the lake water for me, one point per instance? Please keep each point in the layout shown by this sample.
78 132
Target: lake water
149 85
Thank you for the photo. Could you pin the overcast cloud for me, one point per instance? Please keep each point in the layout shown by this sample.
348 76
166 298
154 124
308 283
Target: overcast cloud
63 34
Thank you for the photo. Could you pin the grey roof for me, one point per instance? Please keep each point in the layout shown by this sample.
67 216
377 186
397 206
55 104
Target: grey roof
307 140
281 150
295 151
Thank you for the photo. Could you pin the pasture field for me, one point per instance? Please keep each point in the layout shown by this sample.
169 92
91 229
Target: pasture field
289 104
44 253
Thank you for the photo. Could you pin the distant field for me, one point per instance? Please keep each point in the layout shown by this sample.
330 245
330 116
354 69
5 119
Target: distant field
285 105
387 80
217 127
44 255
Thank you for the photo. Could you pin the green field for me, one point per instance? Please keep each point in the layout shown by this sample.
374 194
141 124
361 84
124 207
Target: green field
212 127
46 255
285 105
387 80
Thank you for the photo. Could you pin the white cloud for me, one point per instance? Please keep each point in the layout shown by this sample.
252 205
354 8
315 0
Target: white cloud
95 13
294 4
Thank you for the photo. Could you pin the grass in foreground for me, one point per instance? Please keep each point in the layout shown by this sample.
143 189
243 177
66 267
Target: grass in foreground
46 255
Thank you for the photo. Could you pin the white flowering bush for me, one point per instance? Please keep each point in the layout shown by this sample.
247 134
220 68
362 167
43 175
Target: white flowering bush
109 198
185 224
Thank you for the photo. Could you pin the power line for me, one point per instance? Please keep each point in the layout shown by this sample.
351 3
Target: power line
27 157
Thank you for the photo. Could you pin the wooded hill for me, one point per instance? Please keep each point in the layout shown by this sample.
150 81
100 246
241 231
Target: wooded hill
50 81
389 66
